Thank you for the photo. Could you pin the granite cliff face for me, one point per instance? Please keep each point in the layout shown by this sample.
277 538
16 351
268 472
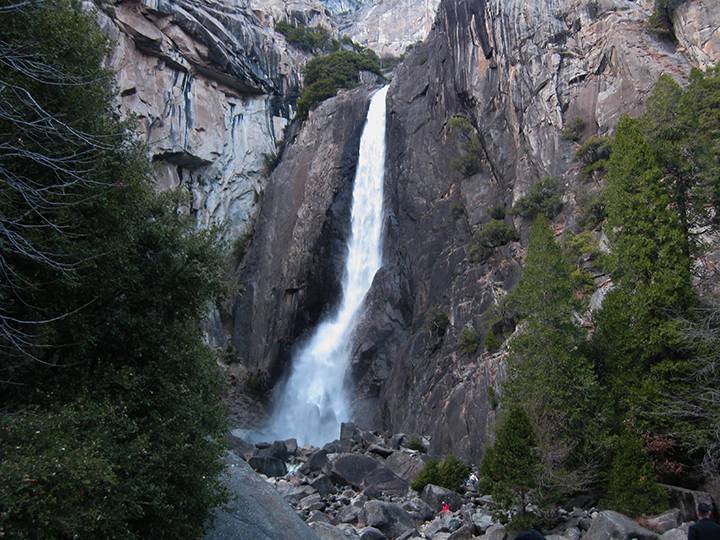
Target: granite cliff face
211 87
519 72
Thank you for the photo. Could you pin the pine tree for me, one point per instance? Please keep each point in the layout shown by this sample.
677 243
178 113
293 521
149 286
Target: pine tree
548 375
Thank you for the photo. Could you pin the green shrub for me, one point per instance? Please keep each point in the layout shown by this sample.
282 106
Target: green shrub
325 75
414 443
493 398
436 322
240 245
469 162
544 198
449 473
632 488
493 234
493 342
594 154
307 39
258 383
660 20
573 129
498 212
593 211
469 340
457 209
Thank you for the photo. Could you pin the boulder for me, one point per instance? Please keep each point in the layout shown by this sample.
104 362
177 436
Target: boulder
323 485
383 481
326 531
255 510
317 461
349 514
312 502
445 522
495 532
434 496
679 533
389 518
687 501
609 525
665 521
277 450
350 432
371 533
240 446
406 464
292 494
352 469
466 532
269 466
482 520
380 450
418 509
317 515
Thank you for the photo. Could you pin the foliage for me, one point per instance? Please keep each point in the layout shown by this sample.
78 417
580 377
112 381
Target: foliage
307 39
493 342
651 271
469 162
493 234
593 154
509 470
498 212
593 211
436 322
573 129
548 375
544 198
632 488
457 209
325 75
469 340
111 420
240 245
258 383
660 20
414 443
449 473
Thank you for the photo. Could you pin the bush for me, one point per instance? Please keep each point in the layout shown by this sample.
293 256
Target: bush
258 383
414 443
632 488
436 322
660 21
457 209
493 234
498 212
450 474
593 211
307 39
544 198
240 245
469 340
573 129
594 154
469 162
325 75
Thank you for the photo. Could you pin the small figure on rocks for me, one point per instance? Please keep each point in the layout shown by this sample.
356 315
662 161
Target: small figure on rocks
705 528
472 482
445 507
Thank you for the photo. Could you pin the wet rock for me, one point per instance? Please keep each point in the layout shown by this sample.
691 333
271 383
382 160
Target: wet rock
255 510
269 466
277 450
435 495
613 525
665 521
389 518
316 463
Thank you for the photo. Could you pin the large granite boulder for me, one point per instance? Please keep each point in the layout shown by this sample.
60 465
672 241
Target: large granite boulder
609 525
435 495
364 472
269 466
387 517
687 501
255 509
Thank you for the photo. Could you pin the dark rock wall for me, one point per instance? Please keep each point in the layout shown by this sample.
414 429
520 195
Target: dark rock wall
296 259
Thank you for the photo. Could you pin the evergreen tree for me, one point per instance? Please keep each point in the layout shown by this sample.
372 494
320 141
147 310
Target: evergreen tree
637 332
548 375
111 420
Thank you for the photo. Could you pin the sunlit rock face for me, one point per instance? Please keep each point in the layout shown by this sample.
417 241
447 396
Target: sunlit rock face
210 85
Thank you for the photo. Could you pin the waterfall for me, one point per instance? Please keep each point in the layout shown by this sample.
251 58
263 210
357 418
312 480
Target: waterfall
314 400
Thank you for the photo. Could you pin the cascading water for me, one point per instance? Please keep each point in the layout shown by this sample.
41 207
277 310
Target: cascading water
314 401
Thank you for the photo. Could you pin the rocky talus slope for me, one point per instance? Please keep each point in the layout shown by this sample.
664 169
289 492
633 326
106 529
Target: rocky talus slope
357 488
519 73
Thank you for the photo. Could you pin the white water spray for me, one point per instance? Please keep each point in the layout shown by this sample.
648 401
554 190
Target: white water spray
314 401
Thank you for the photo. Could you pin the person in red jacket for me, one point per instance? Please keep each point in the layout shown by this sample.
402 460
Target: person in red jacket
445 507
705 528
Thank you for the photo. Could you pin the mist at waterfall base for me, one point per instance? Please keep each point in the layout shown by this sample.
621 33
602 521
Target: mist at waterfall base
314 401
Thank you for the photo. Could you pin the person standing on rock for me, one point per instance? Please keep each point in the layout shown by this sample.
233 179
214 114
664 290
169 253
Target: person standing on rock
445 507
705 528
